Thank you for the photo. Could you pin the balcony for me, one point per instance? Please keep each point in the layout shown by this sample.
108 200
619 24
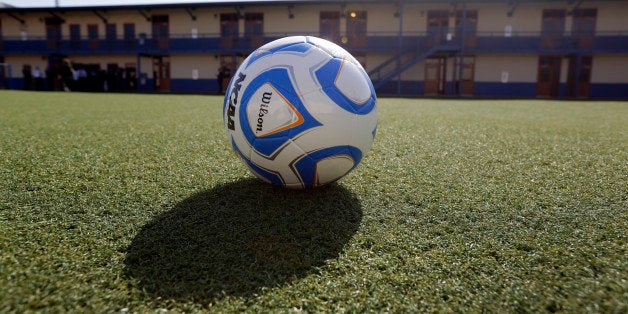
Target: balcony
535 42
373 42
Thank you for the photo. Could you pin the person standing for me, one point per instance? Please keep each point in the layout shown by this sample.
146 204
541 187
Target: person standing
66 75
28 77
224 75
38 78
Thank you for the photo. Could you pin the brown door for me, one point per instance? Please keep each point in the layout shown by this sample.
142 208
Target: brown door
75 36
92 36
468 74
552 28
129 35
111 35
130 72
228 30
254 29
330 26
548 79
583 27
437 27
470 27
579 76
161 31
435 79
356 29
53 33
161 73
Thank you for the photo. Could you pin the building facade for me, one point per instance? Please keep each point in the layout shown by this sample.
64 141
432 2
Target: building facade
475 48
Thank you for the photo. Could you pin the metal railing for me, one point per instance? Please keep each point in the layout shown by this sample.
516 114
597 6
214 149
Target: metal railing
377 41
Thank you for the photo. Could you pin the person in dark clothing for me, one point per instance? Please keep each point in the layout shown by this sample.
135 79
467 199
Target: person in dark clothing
38 78
28 77
224 73
66 75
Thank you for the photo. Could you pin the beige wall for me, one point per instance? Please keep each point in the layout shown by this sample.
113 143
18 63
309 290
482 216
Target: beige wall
182 66
492 17
33 26
103 60
145 66
612 16
520 68
375 59
609 69
523 68
380 18
17 62
305 19
207 20
415 73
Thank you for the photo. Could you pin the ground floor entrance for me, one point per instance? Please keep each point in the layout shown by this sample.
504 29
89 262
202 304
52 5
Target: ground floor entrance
579 76
161 73
548 77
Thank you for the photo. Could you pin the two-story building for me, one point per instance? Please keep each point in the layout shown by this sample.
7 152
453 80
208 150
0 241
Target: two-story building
474 48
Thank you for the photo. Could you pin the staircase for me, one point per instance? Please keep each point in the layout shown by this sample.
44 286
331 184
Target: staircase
399 63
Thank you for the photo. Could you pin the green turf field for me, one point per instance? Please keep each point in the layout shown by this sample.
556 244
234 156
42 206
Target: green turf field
136 203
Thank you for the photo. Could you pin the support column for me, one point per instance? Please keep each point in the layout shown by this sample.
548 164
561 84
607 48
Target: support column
576 83
399 44
462 44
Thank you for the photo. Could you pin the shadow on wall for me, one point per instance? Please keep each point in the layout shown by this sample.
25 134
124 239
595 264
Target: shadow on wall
239 237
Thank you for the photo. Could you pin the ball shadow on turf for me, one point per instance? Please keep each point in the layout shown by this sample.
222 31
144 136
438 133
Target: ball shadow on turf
239 237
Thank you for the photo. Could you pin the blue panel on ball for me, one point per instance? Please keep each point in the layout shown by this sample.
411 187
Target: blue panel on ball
306 166
268 144
326 76
274 178
280 79
295 47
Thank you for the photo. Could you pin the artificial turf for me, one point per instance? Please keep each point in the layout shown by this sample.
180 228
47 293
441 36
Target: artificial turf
125 202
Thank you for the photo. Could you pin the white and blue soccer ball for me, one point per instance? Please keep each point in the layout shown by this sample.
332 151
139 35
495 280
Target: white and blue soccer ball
301 112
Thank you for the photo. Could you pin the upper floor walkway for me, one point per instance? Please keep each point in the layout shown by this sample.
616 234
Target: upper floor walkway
494 42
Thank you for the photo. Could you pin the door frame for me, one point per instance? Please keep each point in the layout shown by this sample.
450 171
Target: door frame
439 85
579 76
554 63
161 30
331 19
437 27
161 73
552 38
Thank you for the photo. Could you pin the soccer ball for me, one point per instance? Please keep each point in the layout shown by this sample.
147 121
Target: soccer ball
300 111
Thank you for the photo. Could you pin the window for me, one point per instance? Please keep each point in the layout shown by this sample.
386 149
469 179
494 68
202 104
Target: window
356 29
330 25
92 36
75 36
254 29
470 27
552 28
110 32
53 32
161 31
228 29
583 27
110 35
129 35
